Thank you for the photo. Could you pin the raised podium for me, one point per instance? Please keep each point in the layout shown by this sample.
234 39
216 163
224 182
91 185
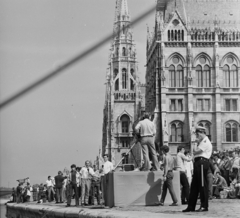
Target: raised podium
137 188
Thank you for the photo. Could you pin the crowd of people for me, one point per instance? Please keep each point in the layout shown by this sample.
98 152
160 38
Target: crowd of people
84 184
203 173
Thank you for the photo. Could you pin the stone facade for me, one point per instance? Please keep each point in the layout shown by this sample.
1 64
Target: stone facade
192 76
123 100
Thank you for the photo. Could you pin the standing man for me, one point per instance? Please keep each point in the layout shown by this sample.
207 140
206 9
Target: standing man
168 163
202 155
50 189
107 166
180 159
59 187
73 183
86 174
95 186
147 132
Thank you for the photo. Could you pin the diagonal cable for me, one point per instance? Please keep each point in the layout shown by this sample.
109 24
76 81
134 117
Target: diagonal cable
69 63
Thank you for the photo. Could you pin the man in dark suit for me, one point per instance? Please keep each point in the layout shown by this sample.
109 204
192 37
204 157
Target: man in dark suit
59 185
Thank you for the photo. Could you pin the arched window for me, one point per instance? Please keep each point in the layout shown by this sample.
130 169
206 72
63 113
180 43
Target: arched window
123 29
115 73
203 74
172 76
231 129
207 126
230 71
125 121
176 132
176 77
132 85
123 51
117 85
182 35
169 35
124 78
179 76
230 74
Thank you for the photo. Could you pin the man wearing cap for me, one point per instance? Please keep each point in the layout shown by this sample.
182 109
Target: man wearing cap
147 131
199 184
73 183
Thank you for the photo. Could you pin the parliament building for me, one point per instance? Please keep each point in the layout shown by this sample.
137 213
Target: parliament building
192 71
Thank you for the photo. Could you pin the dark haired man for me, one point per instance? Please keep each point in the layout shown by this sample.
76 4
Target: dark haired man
59 186
147 131
179 166
199 184
107 166
73 183
50 189
168 163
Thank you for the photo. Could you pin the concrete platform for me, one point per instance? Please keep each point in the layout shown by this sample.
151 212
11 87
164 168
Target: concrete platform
217 208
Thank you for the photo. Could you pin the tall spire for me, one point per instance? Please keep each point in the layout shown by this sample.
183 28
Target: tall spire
121 8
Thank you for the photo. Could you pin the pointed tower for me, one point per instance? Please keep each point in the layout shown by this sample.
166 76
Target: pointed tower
123 95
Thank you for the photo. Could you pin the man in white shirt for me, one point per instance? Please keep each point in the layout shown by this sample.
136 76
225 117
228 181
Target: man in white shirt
86 174
179 166
147 131
107 166
199 184
50 189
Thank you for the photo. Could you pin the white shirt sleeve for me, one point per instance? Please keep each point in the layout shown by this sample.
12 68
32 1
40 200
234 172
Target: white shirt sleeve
138 126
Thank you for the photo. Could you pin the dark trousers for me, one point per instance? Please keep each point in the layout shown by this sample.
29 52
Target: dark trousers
168 185
197 186
185 186
59 195
95 189
226 176
72 187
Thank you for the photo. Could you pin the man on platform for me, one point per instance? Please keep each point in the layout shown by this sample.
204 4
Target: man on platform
73 183
147 131
50 189
168 163
59 186
107 166
86 176
199 184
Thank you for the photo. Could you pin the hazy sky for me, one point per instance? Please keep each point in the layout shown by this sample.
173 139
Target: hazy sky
60 123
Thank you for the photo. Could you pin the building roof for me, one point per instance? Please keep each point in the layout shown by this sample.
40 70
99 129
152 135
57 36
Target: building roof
203 14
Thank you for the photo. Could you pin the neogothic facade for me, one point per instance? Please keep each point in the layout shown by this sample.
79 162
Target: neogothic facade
123 91
192 76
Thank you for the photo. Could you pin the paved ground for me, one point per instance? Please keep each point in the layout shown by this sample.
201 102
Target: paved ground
218 208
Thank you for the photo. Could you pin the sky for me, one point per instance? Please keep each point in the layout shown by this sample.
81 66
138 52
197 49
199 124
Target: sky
60 123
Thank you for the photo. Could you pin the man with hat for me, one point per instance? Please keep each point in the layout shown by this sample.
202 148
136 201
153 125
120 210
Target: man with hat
202 154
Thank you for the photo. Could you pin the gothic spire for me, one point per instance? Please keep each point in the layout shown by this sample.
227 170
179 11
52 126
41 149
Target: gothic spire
121 8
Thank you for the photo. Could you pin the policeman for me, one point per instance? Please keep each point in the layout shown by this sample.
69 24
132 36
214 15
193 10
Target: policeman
202 154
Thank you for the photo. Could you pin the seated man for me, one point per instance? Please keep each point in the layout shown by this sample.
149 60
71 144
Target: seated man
220 185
